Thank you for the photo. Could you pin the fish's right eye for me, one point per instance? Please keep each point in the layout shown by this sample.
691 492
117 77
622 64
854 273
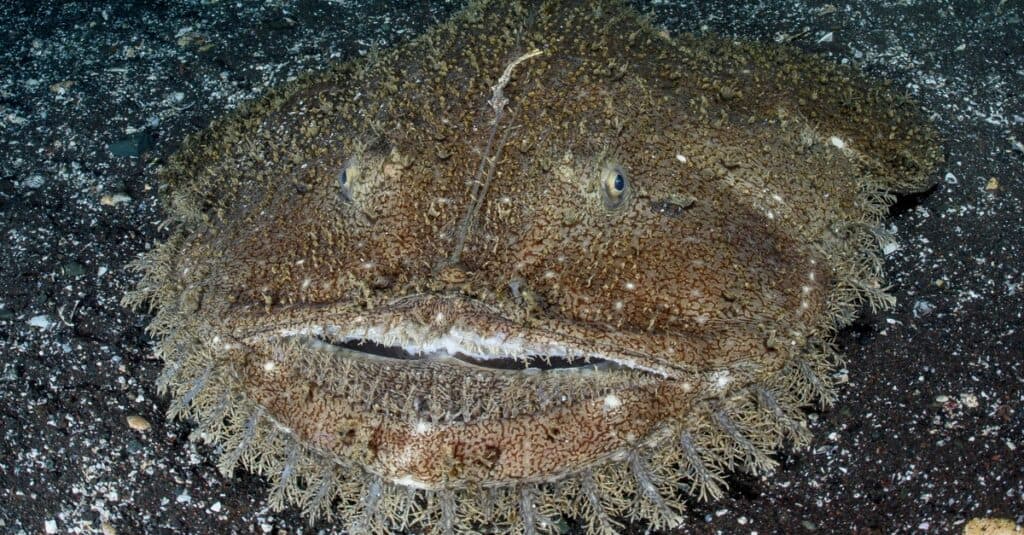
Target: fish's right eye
347 178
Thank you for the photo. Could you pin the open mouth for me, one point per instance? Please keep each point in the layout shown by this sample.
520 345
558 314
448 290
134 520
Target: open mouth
529 363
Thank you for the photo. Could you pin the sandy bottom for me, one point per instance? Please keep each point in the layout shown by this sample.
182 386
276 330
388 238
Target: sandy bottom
928 432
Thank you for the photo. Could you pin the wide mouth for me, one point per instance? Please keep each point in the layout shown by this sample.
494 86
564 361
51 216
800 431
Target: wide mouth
428 328
482 341
556 361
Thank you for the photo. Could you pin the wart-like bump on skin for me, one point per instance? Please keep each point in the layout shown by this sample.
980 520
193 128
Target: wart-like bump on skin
542 260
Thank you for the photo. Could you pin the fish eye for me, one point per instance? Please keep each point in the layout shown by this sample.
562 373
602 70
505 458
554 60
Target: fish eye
348 175
619 183
614 186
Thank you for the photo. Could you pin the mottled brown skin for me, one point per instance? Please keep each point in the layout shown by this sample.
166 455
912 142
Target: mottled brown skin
404 193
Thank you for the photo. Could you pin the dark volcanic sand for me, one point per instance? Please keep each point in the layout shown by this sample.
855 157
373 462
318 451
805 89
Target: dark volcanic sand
928 432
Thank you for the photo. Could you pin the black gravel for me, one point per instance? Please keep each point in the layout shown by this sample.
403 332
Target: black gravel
928 432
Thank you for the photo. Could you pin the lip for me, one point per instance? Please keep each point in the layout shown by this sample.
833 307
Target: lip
438 325
448 350
448 413
410 342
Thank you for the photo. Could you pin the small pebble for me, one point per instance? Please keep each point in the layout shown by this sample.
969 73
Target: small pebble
969 400
114 200
138 423
33 182
992 184
59 88
922 308
42 321
992 526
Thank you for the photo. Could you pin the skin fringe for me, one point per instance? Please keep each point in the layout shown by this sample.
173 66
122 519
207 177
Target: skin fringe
740 430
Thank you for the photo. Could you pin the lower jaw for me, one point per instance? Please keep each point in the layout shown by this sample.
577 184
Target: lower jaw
442 422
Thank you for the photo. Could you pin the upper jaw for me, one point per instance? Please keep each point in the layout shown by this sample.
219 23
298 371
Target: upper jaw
491 351
469 330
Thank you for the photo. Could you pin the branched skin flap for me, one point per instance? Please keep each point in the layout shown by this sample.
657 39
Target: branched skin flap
541 261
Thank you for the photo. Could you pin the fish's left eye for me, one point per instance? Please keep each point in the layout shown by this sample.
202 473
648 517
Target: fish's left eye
346 177
614 185
619 183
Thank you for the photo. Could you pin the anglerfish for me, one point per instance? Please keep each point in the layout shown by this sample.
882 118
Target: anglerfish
544 261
